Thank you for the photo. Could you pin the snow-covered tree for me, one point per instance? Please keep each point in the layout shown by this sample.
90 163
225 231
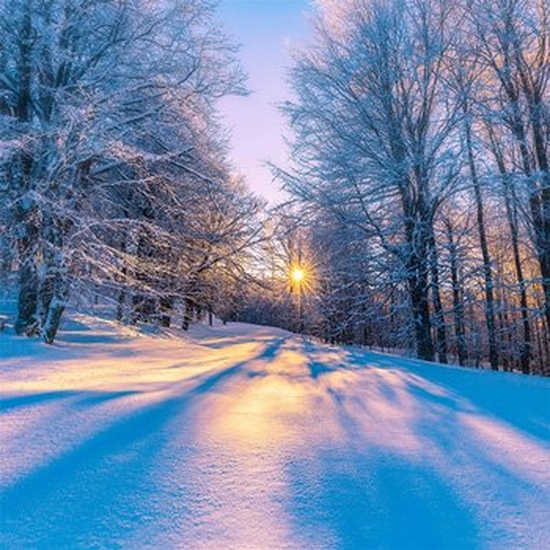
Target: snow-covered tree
371 124
108 113
420 146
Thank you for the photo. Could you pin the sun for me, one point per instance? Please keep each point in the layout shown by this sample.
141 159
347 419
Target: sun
298 274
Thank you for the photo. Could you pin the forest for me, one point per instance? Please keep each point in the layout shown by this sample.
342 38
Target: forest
418 211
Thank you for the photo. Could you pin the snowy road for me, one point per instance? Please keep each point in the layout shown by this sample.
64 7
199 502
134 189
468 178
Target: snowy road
248 438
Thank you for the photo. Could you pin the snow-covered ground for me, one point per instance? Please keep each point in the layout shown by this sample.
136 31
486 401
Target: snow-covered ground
242 437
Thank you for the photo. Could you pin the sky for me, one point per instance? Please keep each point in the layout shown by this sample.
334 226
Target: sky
267 31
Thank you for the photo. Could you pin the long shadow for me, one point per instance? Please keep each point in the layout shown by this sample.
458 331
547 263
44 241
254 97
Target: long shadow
20 349
18 401
368 500
83 398
90 338
271 351
351 495
15 349
225 340
81 497
506 396
318 367
357 494
207 383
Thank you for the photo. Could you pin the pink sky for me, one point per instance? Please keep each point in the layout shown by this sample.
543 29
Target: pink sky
267 30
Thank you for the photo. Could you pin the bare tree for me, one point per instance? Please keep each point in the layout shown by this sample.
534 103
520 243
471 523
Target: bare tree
371 124
105 101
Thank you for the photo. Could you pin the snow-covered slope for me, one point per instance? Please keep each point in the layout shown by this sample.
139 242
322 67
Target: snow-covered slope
242 437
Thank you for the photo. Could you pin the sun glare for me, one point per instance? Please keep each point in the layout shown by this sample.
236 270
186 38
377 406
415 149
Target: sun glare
298 274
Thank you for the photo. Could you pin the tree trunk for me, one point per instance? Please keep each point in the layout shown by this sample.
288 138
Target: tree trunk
439 317
510 202
417 280
458 304
538 112
26 210
56 279
59 300
165 307
120 306
26 321
487 270
542 229
417 226
188 308
47 283
539 199
27 245
45 296
421 317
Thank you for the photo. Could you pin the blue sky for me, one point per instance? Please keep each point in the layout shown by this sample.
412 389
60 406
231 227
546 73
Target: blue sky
267 30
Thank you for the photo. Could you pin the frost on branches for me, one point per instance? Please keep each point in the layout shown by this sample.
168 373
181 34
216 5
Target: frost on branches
422 161
112 166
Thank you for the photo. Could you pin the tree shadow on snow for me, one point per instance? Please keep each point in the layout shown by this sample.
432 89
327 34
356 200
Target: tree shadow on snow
113 482
506 396
394 477
391 479
80 398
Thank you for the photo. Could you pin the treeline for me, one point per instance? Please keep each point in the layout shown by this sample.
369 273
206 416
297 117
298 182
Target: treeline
113 171
421 149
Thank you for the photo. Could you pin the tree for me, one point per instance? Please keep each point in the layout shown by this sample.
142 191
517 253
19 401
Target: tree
104 102
512 43
420 141
371 124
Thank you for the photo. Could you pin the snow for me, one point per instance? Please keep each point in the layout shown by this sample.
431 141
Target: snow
243 437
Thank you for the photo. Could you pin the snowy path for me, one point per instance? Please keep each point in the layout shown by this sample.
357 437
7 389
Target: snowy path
249 438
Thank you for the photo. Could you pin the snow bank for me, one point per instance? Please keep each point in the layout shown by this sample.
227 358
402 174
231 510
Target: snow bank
250 438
